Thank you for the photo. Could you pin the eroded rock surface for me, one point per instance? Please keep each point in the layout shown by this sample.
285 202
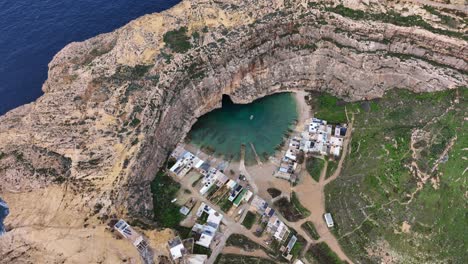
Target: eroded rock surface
115 105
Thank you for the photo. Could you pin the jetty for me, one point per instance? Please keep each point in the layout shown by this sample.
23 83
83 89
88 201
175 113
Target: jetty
257 158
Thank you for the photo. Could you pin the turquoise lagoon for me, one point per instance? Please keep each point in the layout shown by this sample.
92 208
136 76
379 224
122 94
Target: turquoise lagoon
263 123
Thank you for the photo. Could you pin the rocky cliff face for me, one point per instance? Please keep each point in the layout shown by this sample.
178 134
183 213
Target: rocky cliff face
115 105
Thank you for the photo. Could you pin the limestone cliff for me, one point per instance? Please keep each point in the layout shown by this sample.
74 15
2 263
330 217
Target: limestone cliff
115 105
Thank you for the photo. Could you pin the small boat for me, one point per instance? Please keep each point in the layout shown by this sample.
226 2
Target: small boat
251 117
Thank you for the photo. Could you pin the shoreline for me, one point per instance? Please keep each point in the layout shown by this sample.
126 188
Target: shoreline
303 109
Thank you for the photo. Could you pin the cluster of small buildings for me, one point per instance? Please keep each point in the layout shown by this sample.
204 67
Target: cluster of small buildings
186 161
212 177
277 228
204 235
206 232
126 231
212 180
318 138
182 252
288 163
274 226
322 138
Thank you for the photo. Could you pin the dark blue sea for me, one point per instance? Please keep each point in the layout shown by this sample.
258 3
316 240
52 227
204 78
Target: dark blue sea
3 214
32 31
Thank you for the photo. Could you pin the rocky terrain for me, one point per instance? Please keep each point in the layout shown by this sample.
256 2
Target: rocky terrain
115 105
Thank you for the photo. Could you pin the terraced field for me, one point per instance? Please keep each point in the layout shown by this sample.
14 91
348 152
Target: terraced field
402 194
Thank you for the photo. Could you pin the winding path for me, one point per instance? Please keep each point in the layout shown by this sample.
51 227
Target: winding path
312 196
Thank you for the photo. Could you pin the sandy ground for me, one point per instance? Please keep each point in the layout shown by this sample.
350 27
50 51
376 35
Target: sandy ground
264 179
55 232
263 173
303 110
312 196
310 193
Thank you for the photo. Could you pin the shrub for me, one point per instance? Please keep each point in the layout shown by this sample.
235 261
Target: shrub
177 40
164 190
249 220
323 254
314 166
274 192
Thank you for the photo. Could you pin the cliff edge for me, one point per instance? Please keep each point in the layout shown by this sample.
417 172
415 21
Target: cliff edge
115 105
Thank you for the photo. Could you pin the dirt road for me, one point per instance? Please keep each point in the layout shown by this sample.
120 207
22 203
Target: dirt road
312 196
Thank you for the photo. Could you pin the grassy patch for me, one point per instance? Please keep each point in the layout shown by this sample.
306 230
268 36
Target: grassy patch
393 17
200 177
310 229
331 168
329 109
295 201
293 211
376 176
128 73
183 232
322 254
164 190
274 192
314 167
249 220
241 241
197 249
236 259
447 20
225 204
178 40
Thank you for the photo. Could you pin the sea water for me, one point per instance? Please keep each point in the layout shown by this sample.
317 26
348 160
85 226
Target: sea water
263 123
4 211
33 31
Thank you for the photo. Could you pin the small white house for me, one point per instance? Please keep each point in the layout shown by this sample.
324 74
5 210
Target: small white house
177 248
328 219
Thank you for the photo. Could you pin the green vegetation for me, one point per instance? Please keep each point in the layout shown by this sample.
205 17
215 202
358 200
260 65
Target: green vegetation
447 20
330 108
297 249
331 168
310 229
203 218
183 232
322 254
178 40
128 73
235 259
241 241
197 249
249 220
299 207
393 17
292 210
225 204
211 190
274 192
164 190
167 57
135 122
314 167
377 191
200 177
